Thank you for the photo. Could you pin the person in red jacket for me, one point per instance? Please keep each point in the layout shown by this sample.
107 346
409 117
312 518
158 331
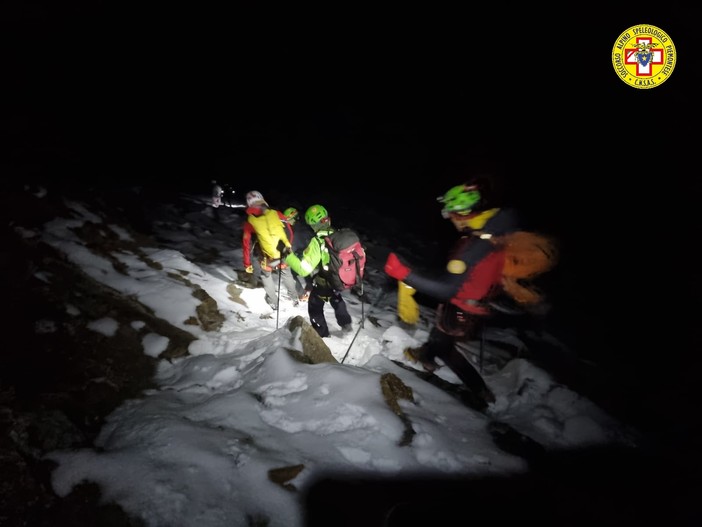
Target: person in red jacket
471 279
272 243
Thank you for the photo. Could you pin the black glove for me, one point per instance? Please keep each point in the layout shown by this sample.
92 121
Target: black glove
284 252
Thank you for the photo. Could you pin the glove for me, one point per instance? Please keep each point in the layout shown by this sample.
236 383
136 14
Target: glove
395 268
284 252
281 246
407 307
290 257
249 269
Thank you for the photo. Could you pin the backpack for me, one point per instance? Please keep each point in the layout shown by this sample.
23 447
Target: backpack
347 259
527 255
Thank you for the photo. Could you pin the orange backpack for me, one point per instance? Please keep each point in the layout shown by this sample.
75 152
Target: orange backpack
527 255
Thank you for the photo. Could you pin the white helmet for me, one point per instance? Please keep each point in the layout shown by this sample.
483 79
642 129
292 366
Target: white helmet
254 197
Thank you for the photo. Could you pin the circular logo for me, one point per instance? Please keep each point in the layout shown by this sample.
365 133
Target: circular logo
644 56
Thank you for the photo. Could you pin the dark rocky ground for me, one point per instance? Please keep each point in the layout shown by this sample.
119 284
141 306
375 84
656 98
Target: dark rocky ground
58 379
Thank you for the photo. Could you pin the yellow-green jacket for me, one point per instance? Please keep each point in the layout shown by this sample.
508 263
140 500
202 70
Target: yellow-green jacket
315 255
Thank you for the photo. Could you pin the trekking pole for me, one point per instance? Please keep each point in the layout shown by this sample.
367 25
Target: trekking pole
482 347
381 293
361 294
363 303
277 308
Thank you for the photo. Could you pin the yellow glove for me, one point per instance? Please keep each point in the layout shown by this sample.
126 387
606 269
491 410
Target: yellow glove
249 269
407 307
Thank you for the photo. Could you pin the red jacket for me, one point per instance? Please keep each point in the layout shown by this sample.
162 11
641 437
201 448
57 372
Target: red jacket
474 271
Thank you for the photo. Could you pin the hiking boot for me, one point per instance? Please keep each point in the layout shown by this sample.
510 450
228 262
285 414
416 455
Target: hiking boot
346 328
415 355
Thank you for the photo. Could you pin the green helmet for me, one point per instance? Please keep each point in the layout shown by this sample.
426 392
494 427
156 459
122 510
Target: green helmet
316 215
291 214
461 199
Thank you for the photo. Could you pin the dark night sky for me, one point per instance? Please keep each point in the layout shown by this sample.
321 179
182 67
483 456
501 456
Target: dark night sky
282 97
393 106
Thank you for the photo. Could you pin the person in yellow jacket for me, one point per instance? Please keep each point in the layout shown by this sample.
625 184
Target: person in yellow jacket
266 226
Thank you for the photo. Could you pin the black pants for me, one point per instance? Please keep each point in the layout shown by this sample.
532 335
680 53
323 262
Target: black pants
315 307
444 346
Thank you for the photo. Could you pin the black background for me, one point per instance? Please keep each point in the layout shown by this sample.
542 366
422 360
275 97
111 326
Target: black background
386 96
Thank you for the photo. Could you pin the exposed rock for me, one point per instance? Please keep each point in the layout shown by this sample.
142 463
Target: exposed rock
313 346
207 311
235 294
299 356
283 475
393 389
